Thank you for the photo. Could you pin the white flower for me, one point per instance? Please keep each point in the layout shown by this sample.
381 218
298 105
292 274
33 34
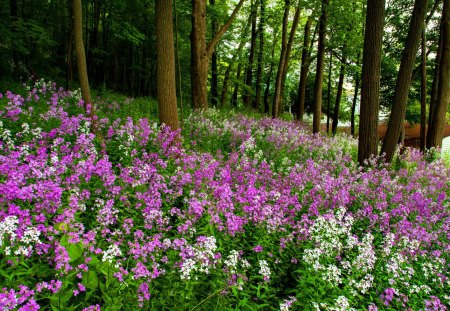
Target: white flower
112 252
8 226
31 235
186 268
264 269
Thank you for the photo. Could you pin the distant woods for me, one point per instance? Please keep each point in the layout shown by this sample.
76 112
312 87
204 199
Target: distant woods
340 62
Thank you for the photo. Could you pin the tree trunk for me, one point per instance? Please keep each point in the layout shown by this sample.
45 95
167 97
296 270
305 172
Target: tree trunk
404 79
256 103
436 130
294 26
339 93
423 94
199 57
214 75
247 98
165 72
226 79
319 69
353 110
300 103
201 52
277 96
269 75
329 91
435 84
81 62
370 89
234 98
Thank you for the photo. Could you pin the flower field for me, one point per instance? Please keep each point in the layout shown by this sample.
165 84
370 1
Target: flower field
241 214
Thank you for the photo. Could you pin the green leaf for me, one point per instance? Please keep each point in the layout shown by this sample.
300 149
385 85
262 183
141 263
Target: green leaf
75 251
91 280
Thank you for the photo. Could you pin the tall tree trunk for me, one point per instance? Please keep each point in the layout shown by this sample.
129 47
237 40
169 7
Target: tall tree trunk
436 130
329 91
435 84
214 75
277 96
294 26
226 78
300 103
234 98
256 103
353 110
337 104
165 72
201 52
423 93
370 89
319 70
247 98
269 75
81 62
404 79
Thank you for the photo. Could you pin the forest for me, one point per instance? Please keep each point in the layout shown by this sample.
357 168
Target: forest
224 155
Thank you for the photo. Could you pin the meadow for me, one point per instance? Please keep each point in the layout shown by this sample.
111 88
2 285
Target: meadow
240 213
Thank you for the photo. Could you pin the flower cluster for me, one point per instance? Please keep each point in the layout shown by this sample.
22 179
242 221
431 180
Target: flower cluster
138 214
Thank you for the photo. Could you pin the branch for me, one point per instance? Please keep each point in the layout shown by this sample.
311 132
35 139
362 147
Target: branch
212 44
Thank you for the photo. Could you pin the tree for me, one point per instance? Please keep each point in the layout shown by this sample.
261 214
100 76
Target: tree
317 116
339 92
287 5
404 77
247 98
371 70
214 74
81 62
435 131
201 51
165 72
262 20
285 56
423 93
306 61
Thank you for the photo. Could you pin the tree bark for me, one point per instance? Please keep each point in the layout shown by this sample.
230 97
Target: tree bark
81 62
226 78
436 130
256 103
353 110
300 103
435 84
214 75
329 91
404 79
165 72
339 93
247 98
269 75
423 93
370 90
201 52
319 69
277 96
234 98
290 43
